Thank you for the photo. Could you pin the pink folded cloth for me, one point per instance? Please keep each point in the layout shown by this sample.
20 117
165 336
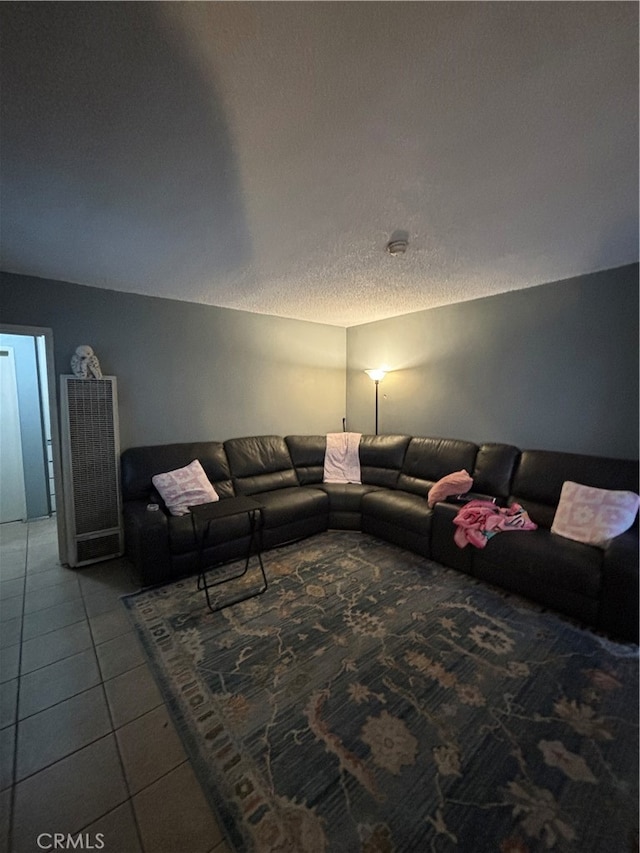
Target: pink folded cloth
479 521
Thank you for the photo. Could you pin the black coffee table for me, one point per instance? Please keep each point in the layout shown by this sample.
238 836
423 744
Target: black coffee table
201 517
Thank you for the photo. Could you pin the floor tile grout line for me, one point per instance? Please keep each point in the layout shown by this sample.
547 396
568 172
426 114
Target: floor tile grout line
101 683
111 732
75 751
78 597
91 644
57 604
64 657
60 701
14 780
113 728
130 800
45 633
14 767
84 593
10 597
95 740
160 704
57 660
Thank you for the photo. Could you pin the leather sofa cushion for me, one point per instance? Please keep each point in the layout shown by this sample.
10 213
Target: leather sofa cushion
273 537
548 559
285 506
620 587
265 482
494 469
400 509
539 477
307 455
281 507
140 464
429 459
381 458
260 464
346 497
183 540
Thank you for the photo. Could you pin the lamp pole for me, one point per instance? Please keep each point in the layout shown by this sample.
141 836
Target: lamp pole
377 381
376 375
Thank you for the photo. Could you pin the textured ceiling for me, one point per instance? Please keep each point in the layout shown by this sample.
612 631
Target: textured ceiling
260 156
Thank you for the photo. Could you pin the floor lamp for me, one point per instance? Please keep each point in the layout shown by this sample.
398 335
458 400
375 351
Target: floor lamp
376 375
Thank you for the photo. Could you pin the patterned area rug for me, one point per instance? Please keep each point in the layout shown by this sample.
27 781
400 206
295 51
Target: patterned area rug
373 701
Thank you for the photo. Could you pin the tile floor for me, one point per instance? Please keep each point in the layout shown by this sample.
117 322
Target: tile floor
86 742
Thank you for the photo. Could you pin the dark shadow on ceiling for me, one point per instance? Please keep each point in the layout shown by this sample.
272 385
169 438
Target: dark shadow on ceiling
117 163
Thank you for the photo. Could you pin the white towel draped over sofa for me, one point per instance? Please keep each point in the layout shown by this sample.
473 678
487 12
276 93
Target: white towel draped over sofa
342 458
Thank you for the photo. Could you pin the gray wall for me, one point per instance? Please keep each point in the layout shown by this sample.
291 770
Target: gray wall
552 367
191 372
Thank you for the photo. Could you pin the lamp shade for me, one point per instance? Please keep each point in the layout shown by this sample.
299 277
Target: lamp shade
376 375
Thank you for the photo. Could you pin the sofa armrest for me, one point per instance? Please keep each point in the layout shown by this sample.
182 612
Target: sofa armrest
620 588
146 538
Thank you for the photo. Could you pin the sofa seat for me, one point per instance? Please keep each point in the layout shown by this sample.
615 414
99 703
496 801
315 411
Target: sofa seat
182 537
163 547
292 513
345 503
285 506
346 497
399 517
554 571
287 514
397 507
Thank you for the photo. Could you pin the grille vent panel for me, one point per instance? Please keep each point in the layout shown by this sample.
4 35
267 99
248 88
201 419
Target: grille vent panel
100 548
93 450
91 470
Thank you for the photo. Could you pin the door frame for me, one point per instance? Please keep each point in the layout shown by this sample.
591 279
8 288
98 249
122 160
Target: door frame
47 334
12 427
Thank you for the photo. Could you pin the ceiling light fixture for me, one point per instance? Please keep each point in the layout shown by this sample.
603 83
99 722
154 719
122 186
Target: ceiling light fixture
397 247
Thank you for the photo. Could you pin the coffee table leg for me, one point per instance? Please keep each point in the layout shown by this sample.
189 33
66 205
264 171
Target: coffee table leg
253 542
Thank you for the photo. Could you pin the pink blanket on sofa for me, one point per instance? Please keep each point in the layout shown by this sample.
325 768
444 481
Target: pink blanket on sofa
478 521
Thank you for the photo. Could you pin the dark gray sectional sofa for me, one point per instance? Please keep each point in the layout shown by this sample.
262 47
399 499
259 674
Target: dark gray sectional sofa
596 586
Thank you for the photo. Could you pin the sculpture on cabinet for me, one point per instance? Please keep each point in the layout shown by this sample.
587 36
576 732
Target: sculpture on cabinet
85 364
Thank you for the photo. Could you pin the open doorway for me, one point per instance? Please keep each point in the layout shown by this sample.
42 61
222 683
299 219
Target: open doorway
29 438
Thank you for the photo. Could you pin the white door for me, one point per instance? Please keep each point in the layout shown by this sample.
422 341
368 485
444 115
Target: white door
13 504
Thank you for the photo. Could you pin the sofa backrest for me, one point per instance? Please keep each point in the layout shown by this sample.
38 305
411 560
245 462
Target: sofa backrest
429 459
381 459
307 455
494 470
260 463
139 464
540 474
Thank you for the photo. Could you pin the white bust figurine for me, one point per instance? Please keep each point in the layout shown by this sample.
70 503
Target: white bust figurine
85 364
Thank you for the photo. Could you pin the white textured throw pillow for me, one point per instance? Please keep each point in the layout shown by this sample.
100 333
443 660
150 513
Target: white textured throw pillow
593 516
185 487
